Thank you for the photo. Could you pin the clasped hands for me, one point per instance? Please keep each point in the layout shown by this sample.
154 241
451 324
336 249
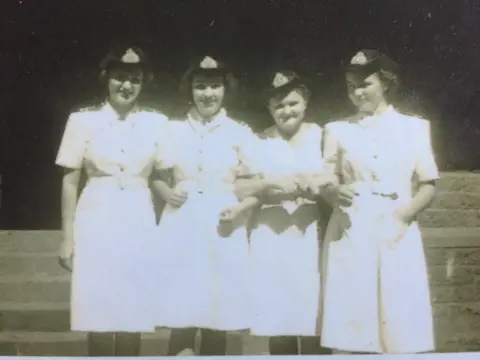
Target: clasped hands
300 185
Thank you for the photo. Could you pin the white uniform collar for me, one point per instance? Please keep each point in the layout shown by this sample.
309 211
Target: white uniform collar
211 125
112 115
296 138
373 120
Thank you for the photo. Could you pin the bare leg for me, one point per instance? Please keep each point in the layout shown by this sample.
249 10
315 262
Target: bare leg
283 345
180 340
101 344
127 344
213 342
310 345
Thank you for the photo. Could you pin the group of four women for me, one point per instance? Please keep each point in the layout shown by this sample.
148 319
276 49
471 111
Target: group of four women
237 246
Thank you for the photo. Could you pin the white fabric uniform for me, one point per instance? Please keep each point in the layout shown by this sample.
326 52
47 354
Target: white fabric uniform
284 240
204 272
376 292
114 220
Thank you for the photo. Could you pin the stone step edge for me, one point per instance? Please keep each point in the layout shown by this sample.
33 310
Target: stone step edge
28 337
65 306
443 192
442 237
427 232
67 336
433 237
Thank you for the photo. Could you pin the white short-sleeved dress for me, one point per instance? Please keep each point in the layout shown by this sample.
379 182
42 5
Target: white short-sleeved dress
204 277
284 240
114 220
376 292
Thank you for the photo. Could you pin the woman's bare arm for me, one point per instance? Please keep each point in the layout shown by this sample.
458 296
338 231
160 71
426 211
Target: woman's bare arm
70 190
161 183
420 201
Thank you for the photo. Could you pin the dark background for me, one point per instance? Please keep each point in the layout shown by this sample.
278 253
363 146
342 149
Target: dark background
50 52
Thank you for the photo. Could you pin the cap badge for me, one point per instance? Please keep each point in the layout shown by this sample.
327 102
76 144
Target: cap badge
280 80
130 57
208 63
359 59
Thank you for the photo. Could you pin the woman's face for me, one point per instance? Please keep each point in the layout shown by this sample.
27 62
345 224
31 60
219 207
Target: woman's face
124 87
365 93
288 110
208 93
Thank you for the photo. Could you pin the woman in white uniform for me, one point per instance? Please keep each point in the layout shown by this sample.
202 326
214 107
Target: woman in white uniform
376 292
205 268
108 231
284 239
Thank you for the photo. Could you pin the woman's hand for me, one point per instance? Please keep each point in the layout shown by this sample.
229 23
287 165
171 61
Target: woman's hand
66 263
230 214
176 197
394 227
227 222
402 215
341 195
313 184
287 185
65 254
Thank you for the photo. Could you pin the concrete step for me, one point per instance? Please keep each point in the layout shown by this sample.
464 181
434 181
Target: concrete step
53 320
36 242
40 302
75 344
56 291
18 343
459 182
38 272
39 265
35 316
30 289
456 201
465 215
451 237
443 218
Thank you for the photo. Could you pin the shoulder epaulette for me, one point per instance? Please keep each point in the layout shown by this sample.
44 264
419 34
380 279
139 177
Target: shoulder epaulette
177 119
244 125
312 124
352 118
87 108
411 114
151 109
268 133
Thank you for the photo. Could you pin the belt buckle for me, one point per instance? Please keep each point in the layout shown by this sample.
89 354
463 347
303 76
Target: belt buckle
393 196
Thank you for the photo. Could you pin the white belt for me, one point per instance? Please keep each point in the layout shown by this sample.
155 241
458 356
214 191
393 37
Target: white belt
127 182
200 187
376 189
